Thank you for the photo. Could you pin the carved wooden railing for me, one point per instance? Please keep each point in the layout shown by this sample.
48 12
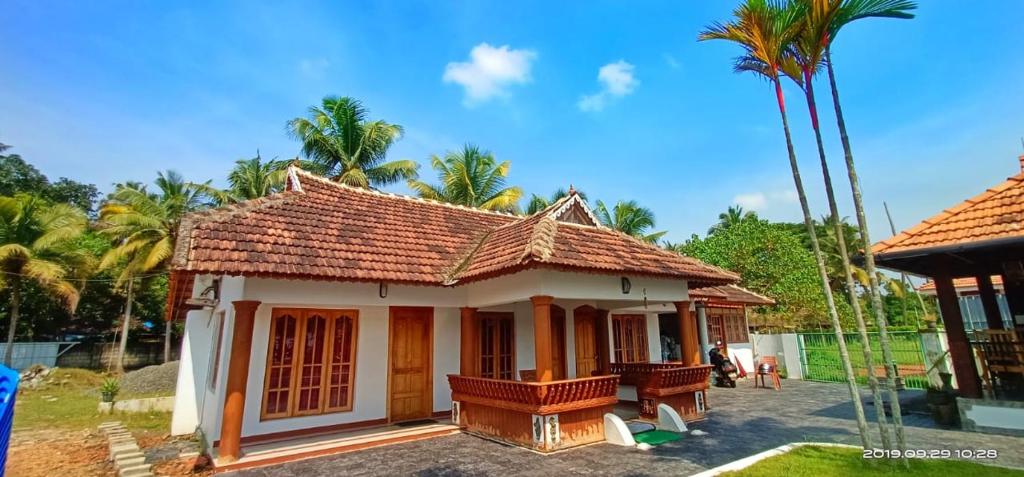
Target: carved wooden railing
632 374
536 398
669 381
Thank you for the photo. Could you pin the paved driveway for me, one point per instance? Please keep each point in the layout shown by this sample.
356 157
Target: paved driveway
743 421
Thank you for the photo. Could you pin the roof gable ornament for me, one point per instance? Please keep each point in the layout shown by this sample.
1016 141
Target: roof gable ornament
293 178
574 210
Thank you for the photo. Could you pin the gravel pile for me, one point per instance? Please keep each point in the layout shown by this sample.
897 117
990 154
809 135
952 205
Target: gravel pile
161 378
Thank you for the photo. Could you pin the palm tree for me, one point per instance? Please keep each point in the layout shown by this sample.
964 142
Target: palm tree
824 20
341 143
144 227
34 236
629 218
253 178
766 31
732 216
470 177
538 203
807 52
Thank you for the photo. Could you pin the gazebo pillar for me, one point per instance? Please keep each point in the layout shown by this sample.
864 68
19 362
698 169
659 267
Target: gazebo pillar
987 292
959 347
689 345
542 336
229 449
603 345
468 342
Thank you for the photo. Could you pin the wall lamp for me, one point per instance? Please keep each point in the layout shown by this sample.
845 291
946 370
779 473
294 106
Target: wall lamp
383 291
626 286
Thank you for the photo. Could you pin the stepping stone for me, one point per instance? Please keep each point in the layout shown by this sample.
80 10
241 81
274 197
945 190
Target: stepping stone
136 471
109 424
123 449
128 462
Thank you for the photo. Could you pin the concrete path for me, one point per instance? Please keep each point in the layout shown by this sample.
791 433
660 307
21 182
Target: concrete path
743 421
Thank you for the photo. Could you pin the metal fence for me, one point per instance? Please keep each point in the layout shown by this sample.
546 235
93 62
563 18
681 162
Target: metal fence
819 357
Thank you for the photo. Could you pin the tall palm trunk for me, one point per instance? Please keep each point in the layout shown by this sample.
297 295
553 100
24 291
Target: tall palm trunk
869 261
124 328
876 393
844 355
15 284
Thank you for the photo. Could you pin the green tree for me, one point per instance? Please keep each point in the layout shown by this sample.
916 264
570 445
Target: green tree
773 262
629 218
144 228
732 216
18 176
341 143
538 203
766 31
33 239
470 177
253 178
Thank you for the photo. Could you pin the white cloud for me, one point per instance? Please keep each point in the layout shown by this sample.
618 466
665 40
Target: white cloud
761 201
616 80
490 71
752 201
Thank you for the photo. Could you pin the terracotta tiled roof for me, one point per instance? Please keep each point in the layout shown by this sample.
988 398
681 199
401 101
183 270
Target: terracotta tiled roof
326 231
994 214
962 283
730 294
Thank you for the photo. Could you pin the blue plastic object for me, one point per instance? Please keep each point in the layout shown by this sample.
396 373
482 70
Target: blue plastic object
8 390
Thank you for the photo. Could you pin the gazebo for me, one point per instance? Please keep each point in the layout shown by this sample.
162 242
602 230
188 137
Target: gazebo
979 238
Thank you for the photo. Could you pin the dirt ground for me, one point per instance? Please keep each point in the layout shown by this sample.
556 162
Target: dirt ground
50 452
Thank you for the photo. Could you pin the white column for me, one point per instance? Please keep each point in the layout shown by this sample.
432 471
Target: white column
702 331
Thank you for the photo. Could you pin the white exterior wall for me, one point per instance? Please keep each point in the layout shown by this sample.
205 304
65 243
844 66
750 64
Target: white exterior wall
199 403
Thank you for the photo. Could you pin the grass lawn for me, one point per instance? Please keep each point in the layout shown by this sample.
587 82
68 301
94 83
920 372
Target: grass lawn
832 461
69 401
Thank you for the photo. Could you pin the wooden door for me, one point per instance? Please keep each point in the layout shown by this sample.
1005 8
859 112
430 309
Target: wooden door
410 377
558 343
585 326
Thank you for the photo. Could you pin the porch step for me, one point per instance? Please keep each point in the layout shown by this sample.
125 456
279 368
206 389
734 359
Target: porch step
257 455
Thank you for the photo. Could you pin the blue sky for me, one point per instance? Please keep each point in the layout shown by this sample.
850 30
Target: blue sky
616 98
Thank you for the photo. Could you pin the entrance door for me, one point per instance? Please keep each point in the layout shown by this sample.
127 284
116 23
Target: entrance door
585 324
410 377
557 343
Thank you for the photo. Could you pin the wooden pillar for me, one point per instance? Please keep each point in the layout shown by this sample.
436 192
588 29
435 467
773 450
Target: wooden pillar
238 377
603 345
468 343
987 292
959 348
689 347
542 336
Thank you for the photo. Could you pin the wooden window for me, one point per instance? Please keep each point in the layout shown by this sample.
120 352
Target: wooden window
310 362
629 337
497 345
736 327
218 338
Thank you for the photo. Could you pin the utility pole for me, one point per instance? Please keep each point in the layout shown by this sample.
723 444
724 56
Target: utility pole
903 276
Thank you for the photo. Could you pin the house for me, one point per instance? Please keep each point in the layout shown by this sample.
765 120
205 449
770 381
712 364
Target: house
972 310
977 239
327 312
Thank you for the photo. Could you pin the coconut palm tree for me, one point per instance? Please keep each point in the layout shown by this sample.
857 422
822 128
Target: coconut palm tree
341 143
823 21
732 216
144 227
766 31
629 218
253 178
538 203
34 239
470 177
